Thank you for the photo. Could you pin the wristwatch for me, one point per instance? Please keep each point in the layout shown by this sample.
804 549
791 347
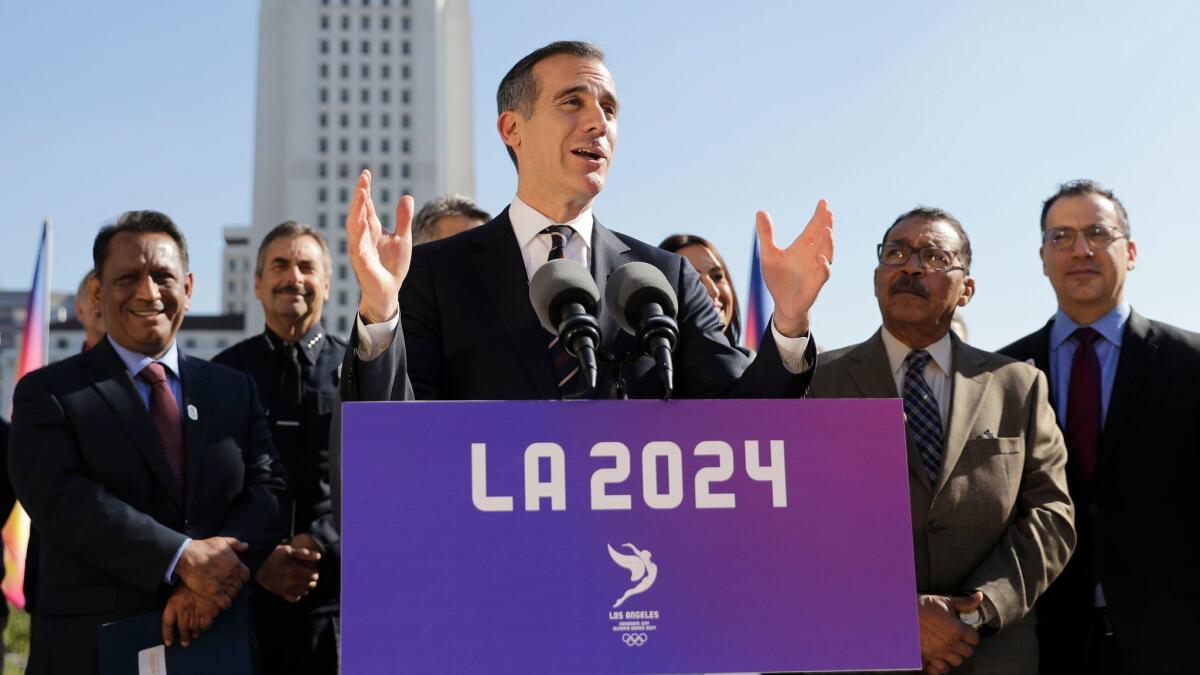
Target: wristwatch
973 619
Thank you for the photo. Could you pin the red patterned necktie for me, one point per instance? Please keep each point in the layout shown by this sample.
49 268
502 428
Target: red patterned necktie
164 410
1083 402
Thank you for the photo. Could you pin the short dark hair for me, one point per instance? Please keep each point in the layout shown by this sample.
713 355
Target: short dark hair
930 213
518 89
1083 186
137 222
440 207
677 242
291 229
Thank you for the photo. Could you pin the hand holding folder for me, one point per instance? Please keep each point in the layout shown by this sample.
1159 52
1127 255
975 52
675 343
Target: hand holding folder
137 646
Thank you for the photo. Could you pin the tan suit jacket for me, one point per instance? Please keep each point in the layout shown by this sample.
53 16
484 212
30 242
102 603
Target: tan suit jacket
998 518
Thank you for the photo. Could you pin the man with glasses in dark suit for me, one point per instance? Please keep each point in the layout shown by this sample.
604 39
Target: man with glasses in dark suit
1125 390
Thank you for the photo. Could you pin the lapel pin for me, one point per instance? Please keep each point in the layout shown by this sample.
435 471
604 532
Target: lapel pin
193 415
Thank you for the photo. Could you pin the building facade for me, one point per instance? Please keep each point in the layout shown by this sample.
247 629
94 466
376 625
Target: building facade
350 84
237 270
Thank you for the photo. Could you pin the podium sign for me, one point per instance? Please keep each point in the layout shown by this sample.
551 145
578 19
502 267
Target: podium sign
626 537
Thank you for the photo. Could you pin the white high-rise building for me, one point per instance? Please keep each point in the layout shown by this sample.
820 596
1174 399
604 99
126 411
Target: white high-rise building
348 84
237 269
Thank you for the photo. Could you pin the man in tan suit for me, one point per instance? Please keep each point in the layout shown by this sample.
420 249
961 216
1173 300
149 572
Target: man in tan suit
992 522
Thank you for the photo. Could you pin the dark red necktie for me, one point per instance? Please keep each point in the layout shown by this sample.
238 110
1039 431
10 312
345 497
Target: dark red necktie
1083 402
165 412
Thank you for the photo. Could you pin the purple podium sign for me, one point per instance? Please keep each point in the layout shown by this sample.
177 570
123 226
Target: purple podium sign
626 537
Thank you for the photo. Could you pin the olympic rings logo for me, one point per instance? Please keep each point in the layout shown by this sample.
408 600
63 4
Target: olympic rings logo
634 639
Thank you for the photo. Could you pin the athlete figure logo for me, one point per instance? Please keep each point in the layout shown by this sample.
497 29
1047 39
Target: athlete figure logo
640 569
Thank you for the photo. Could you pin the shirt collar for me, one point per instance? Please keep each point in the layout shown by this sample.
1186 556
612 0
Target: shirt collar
527 222
1111 326
897 351
135 362
310 343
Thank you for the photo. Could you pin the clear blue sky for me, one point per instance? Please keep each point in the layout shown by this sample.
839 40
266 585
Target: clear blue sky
979 108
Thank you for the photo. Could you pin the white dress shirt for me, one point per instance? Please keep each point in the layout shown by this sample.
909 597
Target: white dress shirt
937 370
527 223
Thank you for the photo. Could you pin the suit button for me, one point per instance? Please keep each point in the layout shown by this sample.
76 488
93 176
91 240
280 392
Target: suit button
187 526
1094 509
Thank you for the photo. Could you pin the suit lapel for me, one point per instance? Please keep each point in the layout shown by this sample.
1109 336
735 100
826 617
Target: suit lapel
608 253
115 385
872 374
1138 347
1041 356
498 262
196 396
970 383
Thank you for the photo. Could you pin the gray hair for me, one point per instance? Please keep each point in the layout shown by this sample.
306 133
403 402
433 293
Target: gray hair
292 230
932 213
423 228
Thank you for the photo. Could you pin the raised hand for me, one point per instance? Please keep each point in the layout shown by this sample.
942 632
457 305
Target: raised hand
211 568
380 259
795 275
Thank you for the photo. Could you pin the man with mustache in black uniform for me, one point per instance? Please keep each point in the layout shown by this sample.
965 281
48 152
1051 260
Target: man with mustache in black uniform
295 364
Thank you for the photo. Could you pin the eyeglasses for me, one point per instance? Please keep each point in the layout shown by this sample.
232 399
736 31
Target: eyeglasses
896 254
1097 236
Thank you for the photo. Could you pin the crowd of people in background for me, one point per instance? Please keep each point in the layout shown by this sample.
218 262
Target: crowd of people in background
1049 481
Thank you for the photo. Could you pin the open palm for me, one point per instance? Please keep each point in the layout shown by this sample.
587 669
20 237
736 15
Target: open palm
380 259
795 275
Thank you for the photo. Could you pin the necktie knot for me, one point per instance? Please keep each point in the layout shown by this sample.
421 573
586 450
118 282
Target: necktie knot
559 234
917 360
153 373
1086 335
289 353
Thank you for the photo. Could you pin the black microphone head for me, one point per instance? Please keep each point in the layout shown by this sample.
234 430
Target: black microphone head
633 285
558 283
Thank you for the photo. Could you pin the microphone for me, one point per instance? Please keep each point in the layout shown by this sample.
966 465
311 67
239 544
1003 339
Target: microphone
645 306
567 303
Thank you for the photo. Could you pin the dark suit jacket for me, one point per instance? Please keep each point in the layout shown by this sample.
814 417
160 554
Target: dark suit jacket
470 332
1138 519
87 464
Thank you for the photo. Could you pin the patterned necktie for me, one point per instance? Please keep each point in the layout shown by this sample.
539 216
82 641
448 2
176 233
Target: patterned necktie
565 366
921 414
559 234
1083 402
164 411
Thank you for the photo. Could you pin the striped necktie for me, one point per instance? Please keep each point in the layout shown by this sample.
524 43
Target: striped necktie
921 414
559 234
565 366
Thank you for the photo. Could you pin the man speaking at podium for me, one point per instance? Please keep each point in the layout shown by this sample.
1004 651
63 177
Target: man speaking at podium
453 320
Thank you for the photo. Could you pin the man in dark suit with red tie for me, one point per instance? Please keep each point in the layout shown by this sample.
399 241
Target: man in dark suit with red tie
1125 390
149 475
